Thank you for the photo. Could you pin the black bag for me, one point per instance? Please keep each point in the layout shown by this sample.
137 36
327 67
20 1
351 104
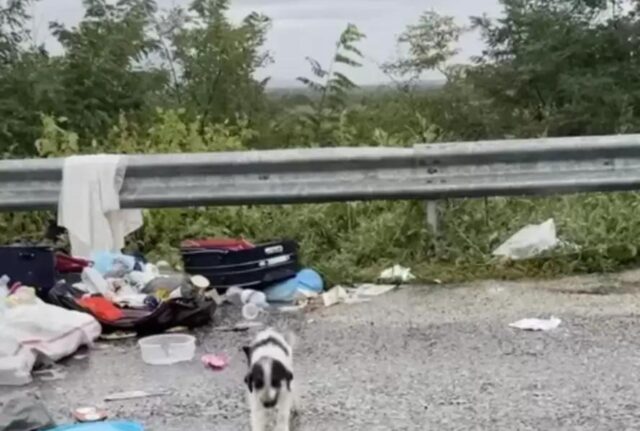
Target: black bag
33 266
191 312
254 268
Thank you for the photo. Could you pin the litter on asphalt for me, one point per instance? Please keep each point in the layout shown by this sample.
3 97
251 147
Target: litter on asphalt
537 324
360 293
132 395
215 362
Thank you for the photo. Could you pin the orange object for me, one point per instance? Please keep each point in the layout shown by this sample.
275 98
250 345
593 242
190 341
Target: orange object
101 308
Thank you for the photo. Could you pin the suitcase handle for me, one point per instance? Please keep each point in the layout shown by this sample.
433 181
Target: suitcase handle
26 255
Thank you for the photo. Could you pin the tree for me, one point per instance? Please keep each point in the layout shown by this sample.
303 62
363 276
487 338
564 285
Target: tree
27 81
217 61
106 69
429 45
332 85
562 67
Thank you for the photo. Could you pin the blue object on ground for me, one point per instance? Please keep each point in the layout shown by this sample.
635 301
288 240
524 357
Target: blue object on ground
288 290
104 261
100 426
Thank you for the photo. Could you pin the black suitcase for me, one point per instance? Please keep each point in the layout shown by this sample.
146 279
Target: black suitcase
33 266
254 268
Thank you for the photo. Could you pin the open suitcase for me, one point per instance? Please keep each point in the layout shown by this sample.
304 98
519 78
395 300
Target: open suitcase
192 312
228 262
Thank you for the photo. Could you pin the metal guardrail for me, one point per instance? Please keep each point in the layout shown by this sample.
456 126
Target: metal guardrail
429 172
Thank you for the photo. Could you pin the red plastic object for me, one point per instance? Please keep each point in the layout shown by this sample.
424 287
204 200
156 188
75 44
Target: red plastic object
101 308
232 244
67 264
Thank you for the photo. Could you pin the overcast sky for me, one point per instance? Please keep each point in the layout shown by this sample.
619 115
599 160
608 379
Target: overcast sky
310 27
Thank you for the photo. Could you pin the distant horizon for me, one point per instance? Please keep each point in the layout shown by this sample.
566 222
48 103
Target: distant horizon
284 84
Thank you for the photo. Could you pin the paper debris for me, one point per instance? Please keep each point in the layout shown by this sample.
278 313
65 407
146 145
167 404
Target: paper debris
334 296
374 289
398 274
536 324
360 293
130 395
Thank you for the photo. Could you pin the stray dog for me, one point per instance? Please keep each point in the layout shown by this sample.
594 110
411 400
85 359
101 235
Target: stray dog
270 379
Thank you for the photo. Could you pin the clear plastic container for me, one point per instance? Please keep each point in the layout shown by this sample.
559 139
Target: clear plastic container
167 349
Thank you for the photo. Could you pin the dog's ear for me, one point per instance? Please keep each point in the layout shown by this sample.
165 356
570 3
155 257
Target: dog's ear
247 352
280 372
288 379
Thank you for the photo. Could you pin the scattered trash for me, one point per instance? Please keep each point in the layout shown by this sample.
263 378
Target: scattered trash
167 349
334 296
215 362
114 264
240 327
132 395
80 357
200 282
177 329
397 274
529 241
24 412
306 284
358 294
118 335
215 296
4 286
50 374
89 414
374 289
101 426
292 308
537 324
252 301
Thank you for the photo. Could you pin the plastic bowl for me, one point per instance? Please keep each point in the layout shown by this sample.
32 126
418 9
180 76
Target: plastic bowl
167 349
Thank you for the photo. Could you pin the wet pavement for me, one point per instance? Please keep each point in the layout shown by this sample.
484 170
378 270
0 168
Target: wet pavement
417 358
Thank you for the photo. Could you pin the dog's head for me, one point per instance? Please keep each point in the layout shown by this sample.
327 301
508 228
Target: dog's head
266 379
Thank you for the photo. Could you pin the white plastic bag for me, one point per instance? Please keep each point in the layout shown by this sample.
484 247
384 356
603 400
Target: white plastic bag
529 241
33 330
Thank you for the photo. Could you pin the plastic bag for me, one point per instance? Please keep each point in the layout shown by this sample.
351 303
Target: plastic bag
30 331
529 241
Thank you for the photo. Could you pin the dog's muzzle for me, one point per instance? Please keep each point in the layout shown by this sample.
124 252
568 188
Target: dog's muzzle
269 404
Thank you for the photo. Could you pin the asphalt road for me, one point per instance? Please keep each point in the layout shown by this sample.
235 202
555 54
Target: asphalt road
418 358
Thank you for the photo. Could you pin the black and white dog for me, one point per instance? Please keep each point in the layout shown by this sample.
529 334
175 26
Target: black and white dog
270 379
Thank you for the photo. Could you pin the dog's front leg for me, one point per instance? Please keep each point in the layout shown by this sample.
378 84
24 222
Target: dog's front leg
284 412
258 416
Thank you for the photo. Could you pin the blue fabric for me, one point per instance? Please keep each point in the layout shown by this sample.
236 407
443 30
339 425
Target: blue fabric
286 291
101 426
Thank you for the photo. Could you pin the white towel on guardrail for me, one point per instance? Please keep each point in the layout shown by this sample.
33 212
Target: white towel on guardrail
89 205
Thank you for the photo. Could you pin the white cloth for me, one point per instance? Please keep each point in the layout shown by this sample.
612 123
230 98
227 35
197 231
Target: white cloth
89 206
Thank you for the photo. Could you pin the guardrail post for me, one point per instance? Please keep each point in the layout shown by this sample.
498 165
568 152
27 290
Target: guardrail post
432 216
